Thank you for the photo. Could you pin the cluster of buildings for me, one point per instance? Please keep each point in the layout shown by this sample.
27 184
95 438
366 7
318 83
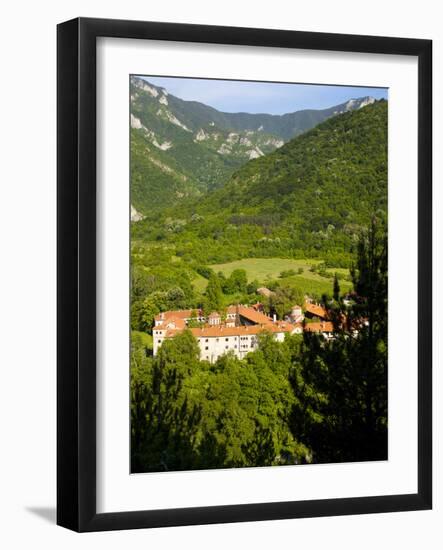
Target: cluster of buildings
237 330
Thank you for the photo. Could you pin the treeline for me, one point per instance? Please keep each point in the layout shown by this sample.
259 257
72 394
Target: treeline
303 400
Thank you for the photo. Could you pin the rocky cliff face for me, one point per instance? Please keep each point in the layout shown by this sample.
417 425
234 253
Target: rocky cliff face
135 215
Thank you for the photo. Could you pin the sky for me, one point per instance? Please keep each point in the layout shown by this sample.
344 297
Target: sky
235 96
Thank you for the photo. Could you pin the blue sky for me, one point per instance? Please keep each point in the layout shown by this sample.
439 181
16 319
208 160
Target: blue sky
262 97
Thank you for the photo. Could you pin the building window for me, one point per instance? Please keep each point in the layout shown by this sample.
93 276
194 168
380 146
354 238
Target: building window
226 339
206 340
226 347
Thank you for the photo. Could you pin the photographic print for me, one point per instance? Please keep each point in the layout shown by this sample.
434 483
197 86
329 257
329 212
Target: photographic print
259 292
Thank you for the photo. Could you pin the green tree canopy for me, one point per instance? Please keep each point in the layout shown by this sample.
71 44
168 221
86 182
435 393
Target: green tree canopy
236 282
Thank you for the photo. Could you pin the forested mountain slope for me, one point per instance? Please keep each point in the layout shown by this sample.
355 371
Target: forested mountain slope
308 198
181 149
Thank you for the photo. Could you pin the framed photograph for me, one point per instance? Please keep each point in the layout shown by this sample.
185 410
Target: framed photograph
244 274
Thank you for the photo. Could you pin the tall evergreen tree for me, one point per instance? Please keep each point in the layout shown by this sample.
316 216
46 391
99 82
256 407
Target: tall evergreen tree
341 384
214 294
336 289
165 406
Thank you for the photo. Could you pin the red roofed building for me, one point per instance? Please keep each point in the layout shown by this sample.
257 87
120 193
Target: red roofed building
323 327
214 318
239 334
215 341
166 329
245 315
297 314
185 314
315 310
250 316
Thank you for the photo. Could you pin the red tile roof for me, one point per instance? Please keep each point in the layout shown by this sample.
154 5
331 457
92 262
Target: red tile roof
181 314
316 310
177 321
323 326
222 331
255 316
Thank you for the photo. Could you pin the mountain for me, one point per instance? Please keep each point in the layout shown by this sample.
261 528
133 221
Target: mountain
182 149
309 198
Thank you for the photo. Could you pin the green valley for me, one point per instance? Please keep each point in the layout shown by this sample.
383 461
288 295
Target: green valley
258 284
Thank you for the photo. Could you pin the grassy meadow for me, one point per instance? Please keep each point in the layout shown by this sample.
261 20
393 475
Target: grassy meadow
266 270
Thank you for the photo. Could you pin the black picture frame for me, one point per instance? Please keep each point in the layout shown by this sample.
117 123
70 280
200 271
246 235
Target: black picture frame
76 278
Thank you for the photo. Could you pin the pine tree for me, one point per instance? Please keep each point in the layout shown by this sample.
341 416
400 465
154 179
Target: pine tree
214 295
336 289
165 406
341 384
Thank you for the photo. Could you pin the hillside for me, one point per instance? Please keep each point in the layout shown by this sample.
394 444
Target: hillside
309 198
182 149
